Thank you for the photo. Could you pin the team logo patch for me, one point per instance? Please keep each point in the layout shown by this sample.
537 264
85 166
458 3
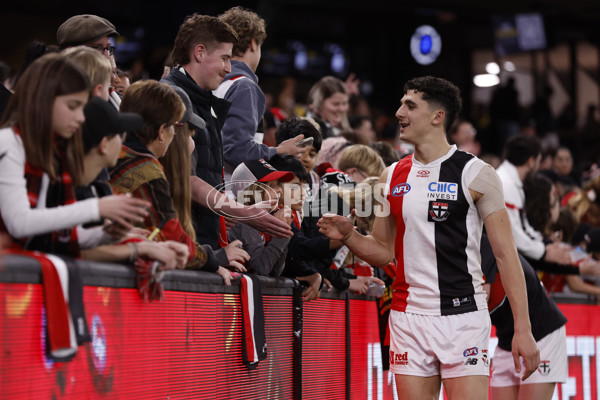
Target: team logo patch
400 189
484 358
473 351
399 358
544 367
438 211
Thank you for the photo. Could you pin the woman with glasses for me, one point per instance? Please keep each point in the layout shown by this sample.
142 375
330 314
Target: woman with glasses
140 173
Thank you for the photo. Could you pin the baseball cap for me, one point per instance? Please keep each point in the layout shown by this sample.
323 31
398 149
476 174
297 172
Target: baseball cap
102 119
189 116
252 171
81 29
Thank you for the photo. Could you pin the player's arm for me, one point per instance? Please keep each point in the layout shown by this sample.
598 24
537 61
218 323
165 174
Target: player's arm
486 192
376 248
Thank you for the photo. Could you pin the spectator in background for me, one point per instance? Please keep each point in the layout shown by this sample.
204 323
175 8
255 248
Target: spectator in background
252 182
360 162
386 151
301 251
124 81
328 105
95 32
41 136
523 155
97 68
139 171
103 133
585 202
362 126
331 149
561 172
307 127
243 129
462 134
543 207
356 163
88 30
202 53
178 160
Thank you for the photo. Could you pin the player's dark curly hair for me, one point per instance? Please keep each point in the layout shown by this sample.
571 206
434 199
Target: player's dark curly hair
438 92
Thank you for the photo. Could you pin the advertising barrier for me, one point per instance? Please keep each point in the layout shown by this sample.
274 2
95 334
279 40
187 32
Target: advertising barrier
189 346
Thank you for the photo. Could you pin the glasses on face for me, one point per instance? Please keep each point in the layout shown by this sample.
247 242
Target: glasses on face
110 49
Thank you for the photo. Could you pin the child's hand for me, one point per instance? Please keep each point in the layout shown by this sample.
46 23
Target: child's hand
235 253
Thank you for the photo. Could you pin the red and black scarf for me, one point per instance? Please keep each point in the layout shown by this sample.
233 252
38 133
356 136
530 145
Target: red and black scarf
60 192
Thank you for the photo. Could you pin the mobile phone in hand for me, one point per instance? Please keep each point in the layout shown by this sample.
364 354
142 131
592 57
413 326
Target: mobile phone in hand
306 142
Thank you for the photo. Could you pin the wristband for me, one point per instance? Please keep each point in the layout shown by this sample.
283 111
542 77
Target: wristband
347 236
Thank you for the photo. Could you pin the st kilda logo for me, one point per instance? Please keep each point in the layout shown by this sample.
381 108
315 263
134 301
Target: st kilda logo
438 211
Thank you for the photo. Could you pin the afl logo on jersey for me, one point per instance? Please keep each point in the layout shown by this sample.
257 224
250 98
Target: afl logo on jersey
400 189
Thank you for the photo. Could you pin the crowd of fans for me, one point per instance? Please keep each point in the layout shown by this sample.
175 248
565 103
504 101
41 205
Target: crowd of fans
202 171
209 115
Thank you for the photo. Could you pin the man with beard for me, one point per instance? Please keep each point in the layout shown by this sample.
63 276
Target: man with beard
523 155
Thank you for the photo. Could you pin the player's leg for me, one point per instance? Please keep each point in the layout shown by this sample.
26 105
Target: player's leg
417 387
505 382
462 349
538 391
505 392
412 360
472 387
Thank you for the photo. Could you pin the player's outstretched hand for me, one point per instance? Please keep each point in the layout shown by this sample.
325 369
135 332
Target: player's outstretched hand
335 226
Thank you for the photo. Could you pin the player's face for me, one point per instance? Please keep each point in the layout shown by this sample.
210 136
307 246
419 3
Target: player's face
414 117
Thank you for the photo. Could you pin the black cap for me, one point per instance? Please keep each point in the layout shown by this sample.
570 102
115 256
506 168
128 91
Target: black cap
189 116
102 119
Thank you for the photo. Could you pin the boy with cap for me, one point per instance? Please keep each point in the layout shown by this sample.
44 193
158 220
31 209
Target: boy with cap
252 182
103 133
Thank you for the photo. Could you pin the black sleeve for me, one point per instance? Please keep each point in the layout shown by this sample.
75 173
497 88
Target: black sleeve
302 248
553 268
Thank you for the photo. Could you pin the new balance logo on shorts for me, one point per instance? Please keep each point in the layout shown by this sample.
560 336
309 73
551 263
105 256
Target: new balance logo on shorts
399 358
